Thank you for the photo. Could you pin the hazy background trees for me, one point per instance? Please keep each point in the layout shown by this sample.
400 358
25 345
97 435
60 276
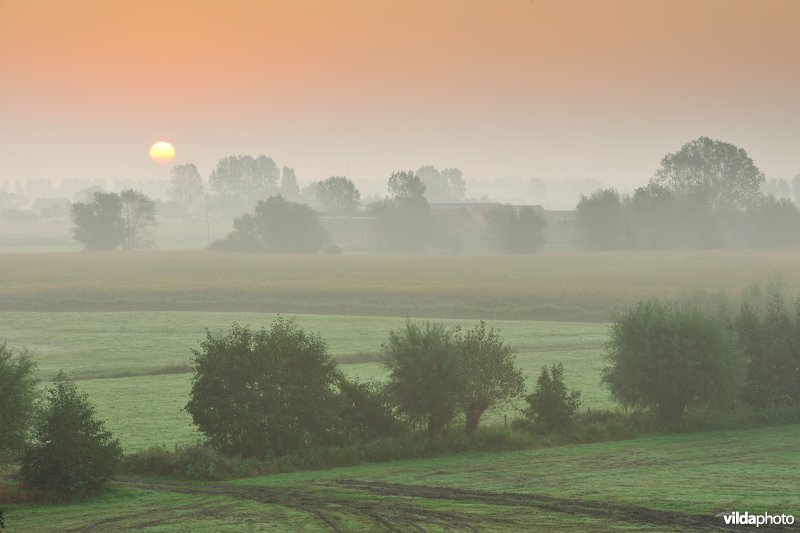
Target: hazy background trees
403 220
276 225
238 182
98 224
442 186
138 213
186 189
599 220
111 220
709 194
515 230
336 194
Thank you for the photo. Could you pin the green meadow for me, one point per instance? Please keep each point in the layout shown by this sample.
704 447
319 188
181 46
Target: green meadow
135 366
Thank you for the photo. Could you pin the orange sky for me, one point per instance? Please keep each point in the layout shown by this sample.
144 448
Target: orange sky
555 89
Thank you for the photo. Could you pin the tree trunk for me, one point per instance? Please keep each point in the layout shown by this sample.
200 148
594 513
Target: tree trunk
473 417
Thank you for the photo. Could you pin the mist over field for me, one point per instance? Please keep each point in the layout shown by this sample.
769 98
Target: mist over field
429 266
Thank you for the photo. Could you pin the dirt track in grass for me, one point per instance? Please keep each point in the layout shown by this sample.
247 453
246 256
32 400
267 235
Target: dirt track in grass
400 507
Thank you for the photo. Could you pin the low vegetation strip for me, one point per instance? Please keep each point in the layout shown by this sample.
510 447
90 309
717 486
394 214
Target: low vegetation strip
553 286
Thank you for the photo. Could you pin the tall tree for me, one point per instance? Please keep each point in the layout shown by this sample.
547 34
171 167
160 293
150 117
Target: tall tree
289 187
237 182
425 378
457 187
445 186
186 188
404 221
719 173
138 212
337 194
98 224
111 220
490 376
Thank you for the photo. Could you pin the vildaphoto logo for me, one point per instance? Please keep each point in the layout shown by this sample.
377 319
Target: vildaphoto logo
746 519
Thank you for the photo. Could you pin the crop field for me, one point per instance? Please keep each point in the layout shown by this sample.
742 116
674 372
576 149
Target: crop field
135 365
547 286
664 483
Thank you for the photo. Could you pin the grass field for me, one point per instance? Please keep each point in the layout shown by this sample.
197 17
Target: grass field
548 286
126 360
665 483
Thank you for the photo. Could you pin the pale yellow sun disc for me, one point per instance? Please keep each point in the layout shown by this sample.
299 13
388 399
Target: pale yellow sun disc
162 152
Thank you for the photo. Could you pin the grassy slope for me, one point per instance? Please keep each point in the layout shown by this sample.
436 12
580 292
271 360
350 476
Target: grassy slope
576 487
551 286
93 345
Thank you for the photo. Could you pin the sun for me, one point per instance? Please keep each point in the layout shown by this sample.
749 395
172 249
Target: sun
162 152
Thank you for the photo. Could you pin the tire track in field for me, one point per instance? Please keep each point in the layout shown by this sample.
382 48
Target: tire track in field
385 514
388 513
611 511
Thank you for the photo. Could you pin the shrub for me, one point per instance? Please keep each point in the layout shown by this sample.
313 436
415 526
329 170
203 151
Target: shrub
550 406
265 392
666 357
17 395
771 344
72 453
364 412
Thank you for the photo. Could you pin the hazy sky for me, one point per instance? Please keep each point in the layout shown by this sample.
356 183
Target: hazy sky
548 88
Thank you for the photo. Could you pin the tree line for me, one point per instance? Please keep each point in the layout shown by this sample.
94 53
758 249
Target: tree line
706 195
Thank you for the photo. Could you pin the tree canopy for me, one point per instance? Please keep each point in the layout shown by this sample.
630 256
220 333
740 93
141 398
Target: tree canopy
337 194
404 221
255 393
186 189
489 372
442 186
425 379
238 182
717 172
72 453
276 226
666 357
111 220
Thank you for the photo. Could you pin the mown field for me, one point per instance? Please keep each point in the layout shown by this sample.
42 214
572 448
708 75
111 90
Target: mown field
664 483
134 365
547 286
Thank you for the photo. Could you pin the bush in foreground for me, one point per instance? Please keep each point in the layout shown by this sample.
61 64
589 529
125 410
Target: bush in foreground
17 395
72 453
666 357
